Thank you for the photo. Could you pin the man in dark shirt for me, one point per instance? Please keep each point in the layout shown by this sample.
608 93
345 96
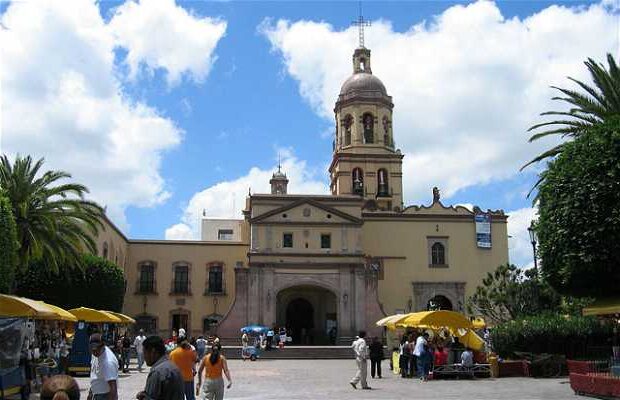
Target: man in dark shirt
125 352
164 381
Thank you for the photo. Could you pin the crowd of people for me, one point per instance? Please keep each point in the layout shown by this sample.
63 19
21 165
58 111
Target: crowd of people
417 356
173 369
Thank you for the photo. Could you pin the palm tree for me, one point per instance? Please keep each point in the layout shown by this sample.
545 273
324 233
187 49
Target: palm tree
55 223
598 104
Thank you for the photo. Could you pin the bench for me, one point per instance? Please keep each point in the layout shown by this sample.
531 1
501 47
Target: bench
458 370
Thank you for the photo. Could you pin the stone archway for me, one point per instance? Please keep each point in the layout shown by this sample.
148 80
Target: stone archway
439 302
309 313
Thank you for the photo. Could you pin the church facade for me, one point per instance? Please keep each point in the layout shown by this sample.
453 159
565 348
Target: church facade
321 265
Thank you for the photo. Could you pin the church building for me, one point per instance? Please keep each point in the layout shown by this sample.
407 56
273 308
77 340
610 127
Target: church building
318 263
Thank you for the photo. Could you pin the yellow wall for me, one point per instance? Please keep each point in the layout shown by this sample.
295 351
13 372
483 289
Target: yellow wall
118 249
404 244
198 255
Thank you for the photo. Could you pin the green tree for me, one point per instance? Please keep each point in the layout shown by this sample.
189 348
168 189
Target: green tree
8 245
599 103
510 292
100 284
54 221
579 214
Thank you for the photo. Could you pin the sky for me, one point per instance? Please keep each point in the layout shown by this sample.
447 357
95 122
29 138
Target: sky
165 109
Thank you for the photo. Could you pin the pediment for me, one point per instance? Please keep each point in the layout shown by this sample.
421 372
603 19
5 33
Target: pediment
306 211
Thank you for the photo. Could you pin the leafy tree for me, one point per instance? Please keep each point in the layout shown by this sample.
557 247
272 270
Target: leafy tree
579 207
100 284
54 221
595 106
510 292
8 245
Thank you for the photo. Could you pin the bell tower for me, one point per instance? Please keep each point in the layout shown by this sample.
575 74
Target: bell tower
278 181
365 162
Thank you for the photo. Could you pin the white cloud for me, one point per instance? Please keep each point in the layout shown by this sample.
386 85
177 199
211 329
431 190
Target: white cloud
160 34
466 85
62 100
179 232
519 244
227 199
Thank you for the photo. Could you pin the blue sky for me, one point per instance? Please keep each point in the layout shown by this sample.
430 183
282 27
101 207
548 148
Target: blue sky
266 86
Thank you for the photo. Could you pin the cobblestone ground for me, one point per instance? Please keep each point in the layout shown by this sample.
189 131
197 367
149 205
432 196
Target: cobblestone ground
329 379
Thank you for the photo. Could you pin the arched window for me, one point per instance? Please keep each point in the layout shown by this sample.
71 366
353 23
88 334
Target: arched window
105 250
148 323
358 181
382 183
369 123
386 132
438 254
348 124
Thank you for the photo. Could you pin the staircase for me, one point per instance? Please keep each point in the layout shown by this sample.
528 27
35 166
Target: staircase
296 353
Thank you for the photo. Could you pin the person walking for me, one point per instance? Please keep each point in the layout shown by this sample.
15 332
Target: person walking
125 352
164 381
376 355
201 347
103 370
215 364
361 355
60 387
138 341
245 343
184 357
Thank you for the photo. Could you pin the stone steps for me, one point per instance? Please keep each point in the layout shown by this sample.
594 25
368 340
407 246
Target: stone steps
296 353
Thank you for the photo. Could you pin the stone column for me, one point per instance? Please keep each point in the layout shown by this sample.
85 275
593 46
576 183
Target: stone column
254 295
360 298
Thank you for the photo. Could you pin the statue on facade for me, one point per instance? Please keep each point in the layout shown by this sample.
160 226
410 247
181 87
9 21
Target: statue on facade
435 194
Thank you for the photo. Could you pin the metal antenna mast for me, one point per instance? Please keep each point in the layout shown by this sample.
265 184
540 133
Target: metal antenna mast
361 23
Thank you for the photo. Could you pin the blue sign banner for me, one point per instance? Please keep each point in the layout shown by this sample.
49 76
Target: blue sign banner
483 230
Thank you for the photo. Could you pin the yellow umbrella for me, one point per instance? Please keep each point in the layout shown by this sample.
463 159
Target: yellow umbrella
13 306
434 319
389 321
124 318
479 323
603 307
91 315
59 313
472 340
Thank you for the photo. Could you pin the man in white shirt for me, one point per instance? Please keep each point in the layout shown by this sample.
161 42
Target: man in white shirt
360 348
139 349
418 353
103 371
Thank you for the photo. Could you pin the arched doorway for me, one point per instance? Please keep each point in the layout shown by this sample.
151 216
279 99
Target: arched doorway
300 320
309 314
439 302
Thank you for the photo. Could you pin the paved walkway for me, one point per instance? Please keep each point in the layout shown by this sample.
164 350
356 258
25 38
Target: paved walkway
328 379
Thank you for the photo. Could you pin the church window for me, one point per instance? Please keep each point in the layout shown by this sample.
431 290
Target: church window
326 241
358 181
105 250
368 121
438 254
348 124
382 179
287 240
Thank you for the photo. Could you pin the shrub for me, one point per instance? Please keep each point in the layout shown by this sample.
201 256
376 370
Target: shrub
8 245
555 334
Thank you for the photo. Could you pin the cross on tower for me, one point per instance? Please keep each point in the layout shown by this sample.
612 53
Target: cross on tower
361 23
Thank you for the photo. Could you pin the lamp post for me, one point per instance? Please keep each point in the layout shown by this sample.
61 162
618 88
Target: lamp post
533 239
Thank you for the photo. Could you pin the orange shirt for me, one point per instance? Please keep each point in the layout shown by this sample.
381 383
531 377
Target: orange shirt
184 360
213 371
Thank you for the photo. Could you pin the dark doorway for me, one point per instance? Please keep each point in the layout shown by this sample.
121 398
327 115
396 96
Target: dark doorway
180 321
439 302
300 321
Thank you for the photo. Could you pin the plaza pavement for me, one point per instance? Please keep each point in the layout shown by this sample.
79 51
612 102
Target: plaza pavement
329 379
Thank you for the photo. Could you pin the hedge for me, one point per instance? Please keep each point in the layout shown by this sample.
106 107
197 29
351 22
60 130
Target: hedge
99 285
572 336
